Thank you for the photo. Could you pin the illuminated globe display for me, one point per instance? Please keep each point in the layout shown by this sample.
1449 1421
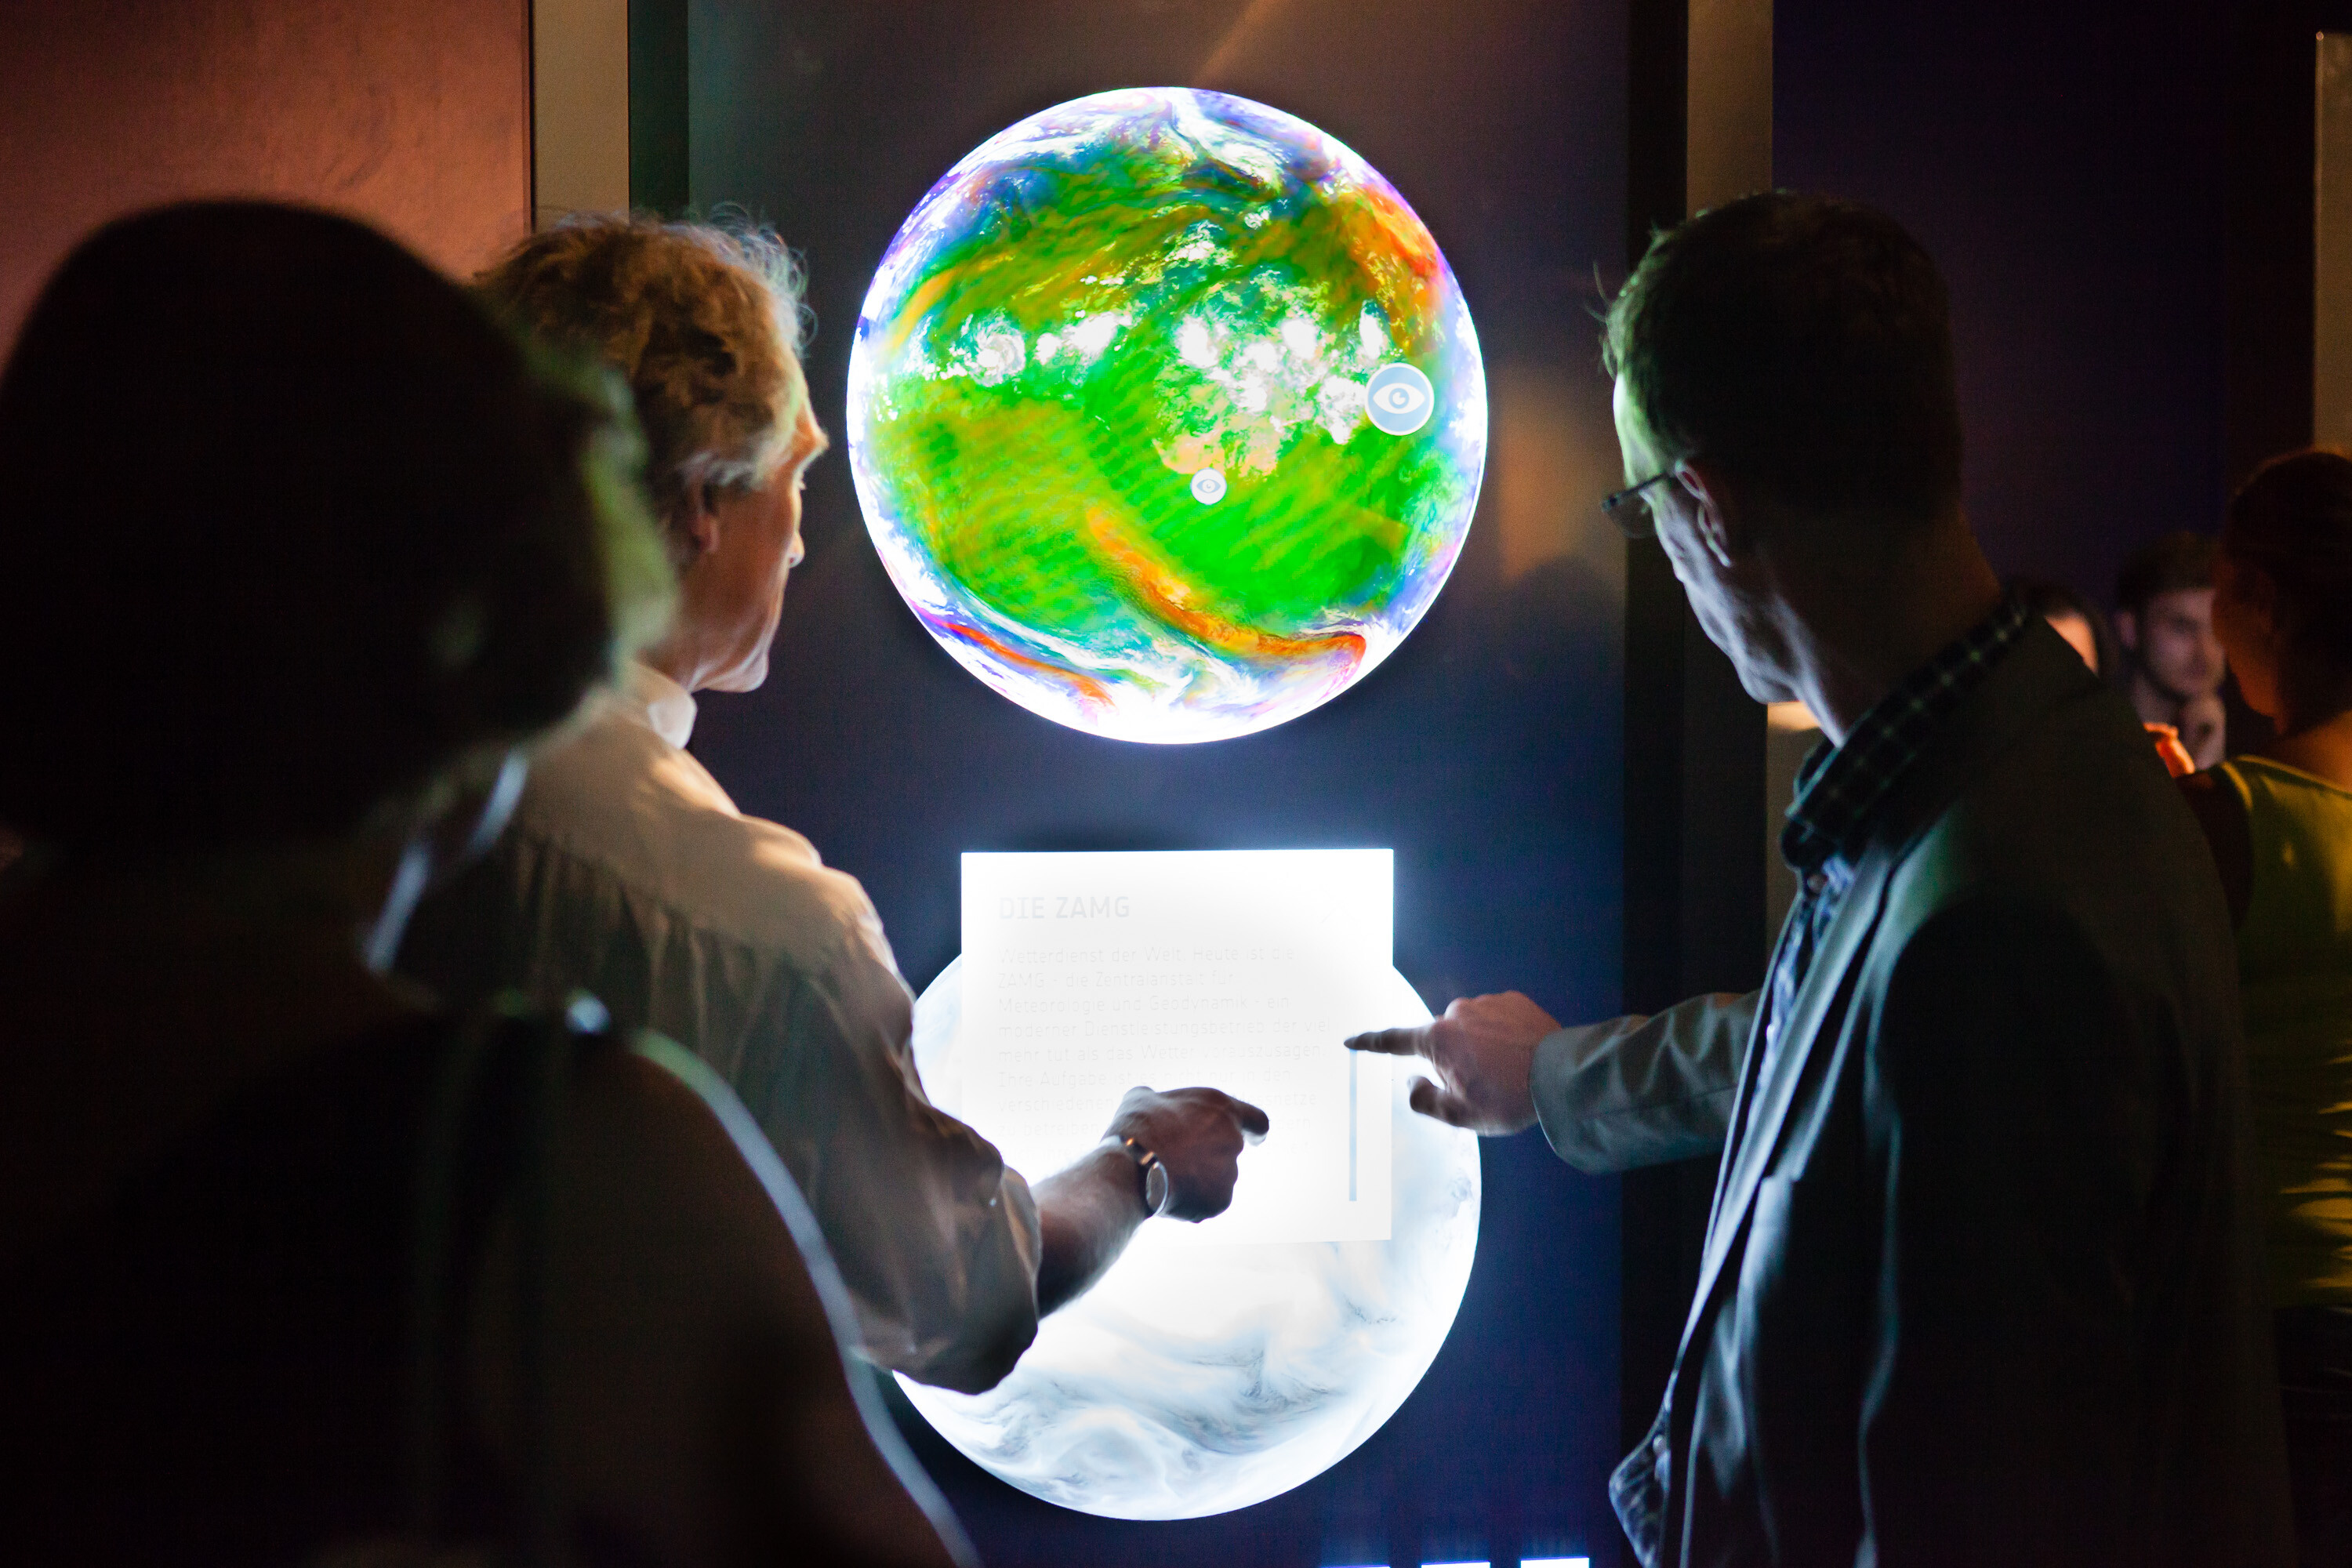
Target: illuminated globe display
1197 1378
1167 415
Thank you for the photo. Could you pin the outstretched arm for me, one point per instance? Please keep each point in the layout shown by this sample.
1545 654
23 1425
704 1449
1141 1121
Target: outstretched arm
1483 1051
1637 1090
1610 1096
950 1257
1087 1213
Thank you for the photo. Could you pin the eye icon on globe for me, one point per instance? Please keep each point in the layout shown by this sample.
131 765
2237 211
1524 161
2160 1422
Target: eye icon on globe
1166 414
1398 399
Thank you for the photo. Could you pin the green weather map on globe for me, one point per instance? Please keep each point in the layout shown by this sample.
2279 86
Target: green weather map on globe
1167 415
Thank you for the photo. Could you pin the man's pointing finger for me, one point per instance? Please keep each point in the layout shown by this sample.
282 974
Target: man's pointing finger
1411 1041
1251 1120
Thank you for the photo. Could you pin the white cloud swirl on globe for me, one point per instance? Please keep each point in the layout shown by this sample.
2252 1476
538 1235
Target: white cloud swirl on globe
1198 1379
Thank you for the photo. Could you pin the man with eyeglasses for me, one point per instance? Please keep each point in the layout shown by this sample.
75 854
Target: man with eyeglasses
1981 1281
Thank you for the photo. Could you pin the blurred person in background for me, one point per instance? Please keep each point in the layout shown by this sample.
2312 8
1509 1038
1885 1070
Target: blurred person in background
2070 615
304 549
628 871
2174 665
2078 620
2280 821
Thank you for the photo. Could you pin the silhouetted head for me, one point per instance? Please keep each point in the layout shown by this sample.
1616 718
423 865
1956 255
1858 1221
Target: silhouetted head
2282 578
1785 405
297 527
1802 345
2070 615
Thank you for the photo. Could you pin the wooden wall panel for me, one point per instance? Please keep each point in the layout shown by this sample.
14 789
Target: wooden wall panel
413 114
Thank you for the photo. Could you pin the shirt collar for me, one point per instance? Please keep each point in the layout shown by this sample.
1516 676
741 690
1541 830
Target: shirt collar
1840 788
667 707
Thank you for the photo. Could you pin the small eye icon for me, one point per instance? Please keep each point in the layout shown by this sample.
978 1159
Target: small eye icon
1399 399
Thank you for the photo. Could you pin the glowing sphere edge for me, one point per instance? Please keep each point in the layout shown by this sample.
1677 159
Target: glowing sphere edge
1108 414
1196 1380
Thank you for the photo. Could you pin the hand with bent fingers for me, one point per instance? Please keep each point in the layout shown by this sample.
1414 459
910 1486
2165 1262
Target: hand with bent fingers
1199 1135
1483 1049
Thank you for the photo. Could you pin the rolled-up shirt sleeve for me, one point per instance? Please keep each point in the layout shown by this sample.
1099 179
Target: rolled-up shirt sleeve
936 1238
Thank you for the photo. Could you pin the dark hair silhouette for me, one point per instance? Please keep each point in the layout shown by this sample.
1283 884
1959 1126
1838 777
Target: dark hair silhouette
2293 520
296 524
2165 564
2053 600
1804 344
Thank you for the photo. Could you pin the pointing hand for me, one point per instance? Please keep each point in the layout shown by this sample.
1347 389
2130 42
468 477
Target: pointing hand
1199 1135
1483 1049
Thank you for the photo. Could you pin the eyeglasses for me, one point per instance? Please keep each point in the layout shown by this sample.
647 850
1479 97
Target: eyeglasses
1630 512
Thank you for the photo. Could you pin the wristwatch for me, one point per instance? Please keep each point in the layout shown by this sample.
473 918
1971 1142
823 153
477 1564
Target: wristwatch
1150 1175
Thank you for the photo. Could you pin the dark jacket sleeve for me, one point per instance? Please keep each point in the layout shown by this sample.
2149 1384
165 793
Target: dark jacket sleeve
1640 1090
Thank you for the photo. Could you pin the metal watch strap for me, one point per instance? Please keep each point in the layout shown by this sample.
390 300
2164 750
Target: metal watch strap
1150 1175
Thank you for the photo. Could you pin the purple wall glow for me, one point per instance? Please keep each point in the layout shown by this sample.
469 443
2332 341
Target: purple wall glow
2065 164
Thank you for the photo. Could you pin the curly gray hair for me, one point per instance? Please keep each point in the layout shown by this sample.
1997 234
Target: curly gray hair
703 321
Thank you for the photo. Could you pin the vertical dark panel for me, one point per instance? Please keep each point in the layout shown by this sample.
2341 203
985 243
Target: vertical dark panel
658 105
1656 58
1694 789
2268 264
1722 937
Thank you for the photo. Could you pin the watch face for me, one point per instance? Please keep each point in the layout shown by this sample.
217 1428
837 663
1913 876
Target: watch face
1155 1188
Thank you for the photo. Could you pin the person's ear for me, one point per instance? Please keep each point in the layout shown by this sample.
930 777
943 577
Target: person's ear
2255 590
698 530
2127 629
1722 521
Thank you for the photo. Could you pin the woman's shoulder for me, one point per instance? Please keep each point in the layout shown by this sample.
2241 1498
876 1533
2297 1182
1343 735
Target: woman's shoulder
2290 778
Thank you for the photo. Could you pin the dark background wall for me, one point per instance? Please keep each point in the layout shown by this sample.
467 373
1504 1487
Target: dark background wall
414 116
2070 167
1485 752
